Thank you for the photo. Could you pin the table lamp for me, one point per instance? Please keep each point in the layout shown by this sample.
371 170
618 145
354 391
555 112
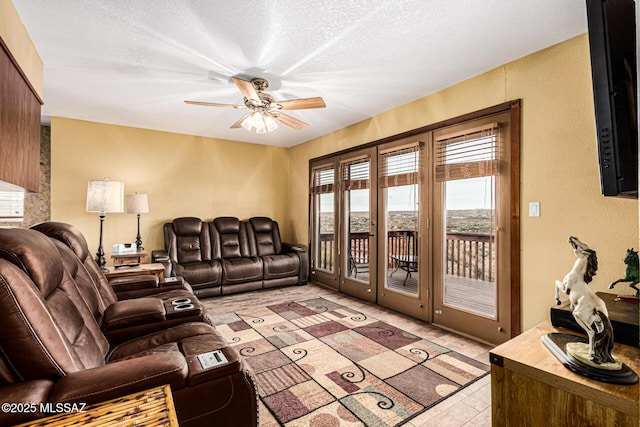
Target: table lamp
104 196
138 204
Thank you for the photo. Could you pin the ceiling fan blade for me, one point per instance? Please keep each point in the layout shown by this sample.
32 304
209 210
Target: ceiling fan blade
247 89
213 104
290 121
238 124
301 104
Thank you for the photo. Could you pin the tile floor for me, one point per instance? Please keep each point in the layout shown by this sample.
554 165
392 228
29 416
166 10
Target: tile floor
469 407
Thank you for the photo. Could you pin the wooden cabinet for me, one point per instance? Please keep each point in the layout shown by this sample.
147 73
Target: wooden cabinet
19 125
530 387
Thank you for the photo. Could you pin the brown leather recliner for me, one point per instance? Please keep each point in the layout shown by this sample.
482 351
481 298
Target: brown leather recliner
123 315
284 264
241 269
126 319
188 247
52 348
119 288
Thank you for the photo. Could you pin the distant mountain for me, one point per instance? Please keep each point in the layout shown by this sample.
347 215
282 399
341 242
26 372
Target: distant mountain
458 221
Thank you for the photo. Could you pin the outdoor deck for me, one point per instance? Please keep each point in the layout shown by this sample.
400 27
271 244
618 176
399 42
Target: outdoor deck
477 296
469 281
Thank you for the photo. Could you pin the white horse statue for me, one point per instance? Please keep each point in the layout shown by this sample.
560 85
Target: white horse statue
588 309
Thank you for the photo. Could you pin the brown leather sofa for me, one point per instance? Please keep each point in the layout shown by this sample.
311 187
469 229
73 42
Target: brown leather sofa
52 348
227 255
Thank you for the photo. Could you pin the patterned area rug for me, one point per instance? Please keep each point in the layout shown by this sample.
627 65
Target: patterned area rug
318 363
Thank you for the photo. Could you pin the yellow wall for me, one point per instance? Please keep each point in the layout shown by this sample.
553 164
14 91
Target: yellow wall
188 175
559 165
183 176
15 36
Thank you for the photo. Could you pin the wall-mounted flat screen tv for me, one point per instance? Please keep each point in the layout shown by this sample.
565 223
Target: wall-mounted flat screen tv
612 41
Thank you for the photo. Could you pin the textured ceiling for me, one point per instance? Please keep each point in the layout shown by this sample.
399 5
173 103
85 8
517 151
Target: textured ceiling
133 63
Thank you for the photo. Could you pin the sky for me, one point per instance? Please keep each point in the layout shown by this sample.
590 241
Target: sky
473 193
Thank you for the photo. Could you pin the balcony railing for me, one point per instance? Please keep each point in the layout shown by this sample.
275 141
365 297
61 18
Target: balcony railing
469 255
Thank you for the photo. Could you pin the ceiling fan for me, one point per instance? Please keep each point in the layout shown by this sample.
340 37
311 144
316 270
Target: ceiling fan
264 110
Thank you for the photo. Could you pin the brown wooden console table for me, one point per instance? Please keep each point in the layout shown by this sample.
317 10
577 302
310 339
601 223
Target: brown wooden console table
530 387
155 269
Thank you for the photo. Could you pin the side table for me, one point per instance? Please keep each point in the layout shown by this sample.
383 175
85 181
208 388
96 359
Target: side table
155 268
152 407
530 387
133 258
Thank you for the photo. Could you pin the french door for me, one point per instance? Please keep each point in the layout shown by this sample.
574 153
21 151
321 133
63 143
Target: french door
403 243
358 220
324 223
471 228
428 224
343 224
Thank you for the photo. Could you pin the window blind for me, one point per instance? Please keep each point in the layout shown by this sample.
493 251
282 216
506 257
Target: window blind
11 206
355 174
322 180
471 153
400 166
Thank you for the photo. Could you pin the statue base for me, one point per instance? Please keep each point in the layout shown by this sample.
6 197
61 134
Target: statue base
579 351
557 344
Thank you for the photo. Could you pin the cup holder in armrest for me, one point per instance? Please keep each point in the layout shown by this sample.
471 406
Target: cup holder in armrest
183 307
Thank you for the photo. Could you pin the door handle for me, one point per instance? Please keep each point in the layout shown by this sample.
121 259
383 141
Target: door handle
371 234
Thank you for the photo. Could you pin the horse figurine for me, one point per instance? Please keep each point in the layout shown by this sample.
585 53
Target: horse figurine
588 309
631 274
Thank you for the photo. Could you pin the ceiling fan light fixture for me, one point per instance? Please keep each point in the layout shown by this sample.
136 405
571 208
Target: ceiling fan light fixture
264 111
260 122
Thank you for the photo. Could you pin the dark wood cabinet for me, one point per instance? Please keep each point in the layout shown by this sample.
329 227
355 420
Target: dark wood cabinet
19 125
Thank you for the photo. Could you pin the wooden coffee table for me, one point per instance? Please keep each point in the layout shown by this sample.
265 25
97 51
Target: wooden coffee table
156 269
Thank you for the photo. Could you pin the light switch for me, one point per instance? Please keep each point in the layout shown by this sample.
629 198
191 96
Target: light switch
534 208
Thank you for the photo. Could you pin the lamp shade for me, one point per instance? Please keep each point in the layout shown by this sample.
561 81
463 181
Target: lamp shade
105 196
137 203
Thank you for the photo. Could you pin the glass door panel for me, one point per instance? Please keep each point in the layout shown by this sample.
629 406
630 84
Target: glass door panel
325 251
402 262
358 235
469 246
358 248
323 225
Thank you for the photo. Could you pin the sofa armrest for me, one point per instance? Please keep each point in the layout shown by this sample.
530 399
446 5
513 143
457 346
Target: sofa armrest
146 286
304 259
29 393
133 283
162 257
152 292
121 378
133 312
289 248
172 283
